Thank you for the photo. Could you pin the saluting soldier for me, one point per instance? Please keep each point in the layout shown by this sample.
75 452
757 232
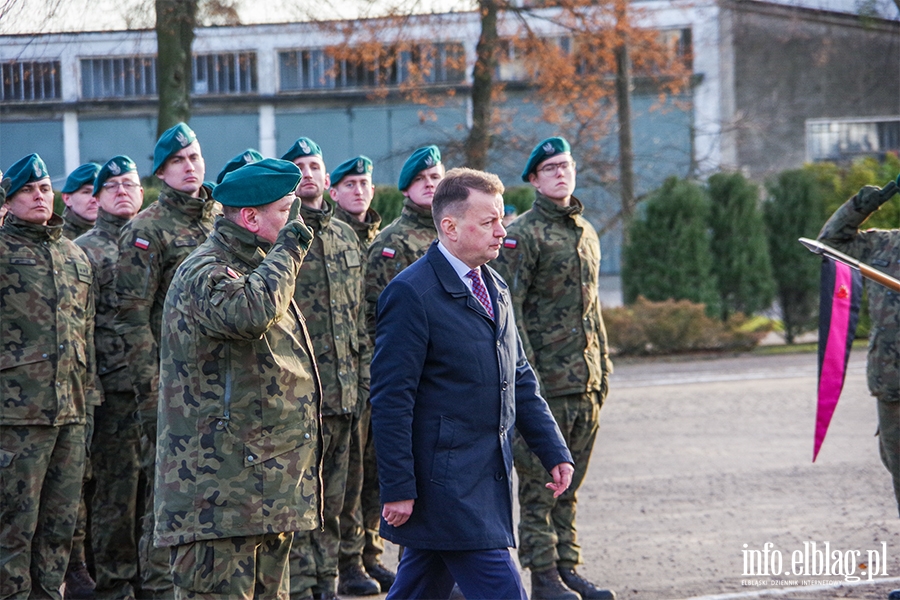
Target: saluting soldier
551 261
114 449
237 467
47 379
81 204
151 246
329 294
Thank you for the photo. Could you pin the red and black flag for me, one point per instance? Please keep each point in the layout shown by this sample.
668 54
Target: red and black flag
841 292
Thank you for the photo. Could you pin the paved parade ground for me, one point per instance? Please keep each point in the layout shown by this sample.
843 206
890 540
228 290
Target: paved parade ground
702 462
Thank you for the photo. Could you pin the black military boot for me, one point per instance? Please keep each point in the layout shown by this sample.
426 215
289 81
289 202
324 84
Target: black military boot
380 573
588 590
355 582
79 584
546 585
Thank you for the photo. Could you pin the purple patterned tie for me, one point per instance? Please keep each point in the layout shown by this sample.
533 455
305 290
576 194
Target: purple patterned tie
480 292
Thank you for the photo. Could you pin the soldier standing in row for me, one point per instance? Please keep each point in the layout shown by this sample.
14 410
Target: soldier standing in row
47 379
237 468
81 204
115 447
151 247
329 294
547 251
360 557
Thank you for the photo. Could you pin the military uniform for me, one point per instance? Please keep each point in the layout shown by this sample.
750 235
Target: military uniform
46 380
239 442
879 248
73 225
151 246
397 246
115 449
362 506
329 294
551 261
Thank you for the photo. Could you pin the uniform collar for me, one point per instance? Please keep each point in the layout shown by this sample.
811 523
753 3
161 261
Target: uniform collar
245 245
552 210
365 230
109 223
76 221
318 219
201 207
51 232
419 215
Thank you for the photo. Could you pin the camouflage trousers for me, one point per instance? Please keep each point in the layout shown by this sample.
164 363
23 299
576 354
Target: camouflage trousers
233 568
40 485
81 537
361 515
889 440
116 464
547 535
156 578
321 547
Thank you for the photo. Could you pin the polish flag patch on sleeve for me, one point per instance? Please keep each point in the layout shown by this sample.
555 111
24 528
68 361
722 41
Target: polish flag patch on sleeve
388 252
141 243
510 243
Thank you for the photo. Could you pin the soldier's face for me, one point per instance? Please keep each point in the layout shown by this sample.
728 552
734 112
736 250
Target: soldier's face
122 195
33 202
475 237
354 194
421 190
315 179
272 217
184 170
555 177
82 202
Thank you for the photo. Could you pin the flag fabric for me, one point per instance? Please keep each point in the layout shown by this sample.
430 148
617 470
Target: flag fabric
841 292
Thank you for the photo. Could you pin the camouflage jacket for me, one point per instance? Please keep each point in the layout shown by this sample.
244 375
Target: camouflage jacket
73 225
101 244
366 230
329 294
239 446
151 246
397 246
46 326
879 248
551 262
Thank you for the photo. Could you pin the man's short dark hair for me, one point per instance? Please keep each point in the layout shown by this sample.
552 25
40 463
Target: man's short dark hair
453 190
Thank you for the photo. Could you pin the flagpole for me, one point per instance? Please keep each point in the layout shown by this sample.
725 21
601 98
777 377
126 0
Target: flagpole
866 271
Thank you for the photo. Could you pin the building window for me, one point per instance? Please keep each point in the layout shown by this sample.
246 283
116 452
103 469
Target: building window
29 80
442 62
127 77
836 139
229 73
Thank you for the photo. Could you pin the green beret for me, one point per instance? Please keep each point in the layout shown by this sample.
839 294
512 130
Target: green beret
302 147
27 169
543 151
81 176
2 190
244 158
423 158
361 165
258 183
171 141
117 165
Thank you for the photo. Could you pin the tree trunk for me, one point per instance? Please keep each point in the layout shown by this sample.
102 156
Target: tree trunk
479 140
626 149
175 21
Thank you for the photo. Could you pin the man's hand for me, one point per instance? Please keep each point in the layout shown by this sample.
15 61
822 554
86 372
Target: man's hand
397 513
562 478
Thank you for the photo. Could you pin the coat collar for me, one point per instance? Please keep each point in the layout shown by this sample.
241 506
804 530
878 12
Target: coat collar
198 208
454 286
244 245
366 230
109 223
419 216
552 210
51 232
317 219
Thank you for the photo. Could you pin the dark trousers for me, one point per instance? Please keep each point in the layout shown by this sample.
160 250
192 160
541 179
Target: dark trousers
429 574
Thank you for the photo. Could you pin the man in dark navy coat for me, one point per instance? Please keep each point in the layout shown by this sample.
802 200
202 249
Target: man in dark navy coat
449 383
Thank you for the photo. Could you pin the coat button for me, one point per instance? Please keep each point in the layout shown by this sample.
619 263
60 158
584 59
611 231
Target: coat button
499 475
306 436
250 458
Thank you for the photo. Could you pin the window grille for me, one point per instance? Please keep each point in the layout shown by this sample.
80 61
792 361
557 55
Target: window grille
227 73
24 81
125 77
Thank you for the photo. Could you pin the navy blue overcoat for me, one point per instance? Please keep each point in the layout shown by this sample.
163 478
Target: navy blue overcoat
448 387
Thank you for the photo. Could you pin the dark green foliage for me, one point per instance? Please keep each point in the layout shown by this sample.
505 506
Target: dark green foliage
740 254
388 202
668 253
521 196
794 209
